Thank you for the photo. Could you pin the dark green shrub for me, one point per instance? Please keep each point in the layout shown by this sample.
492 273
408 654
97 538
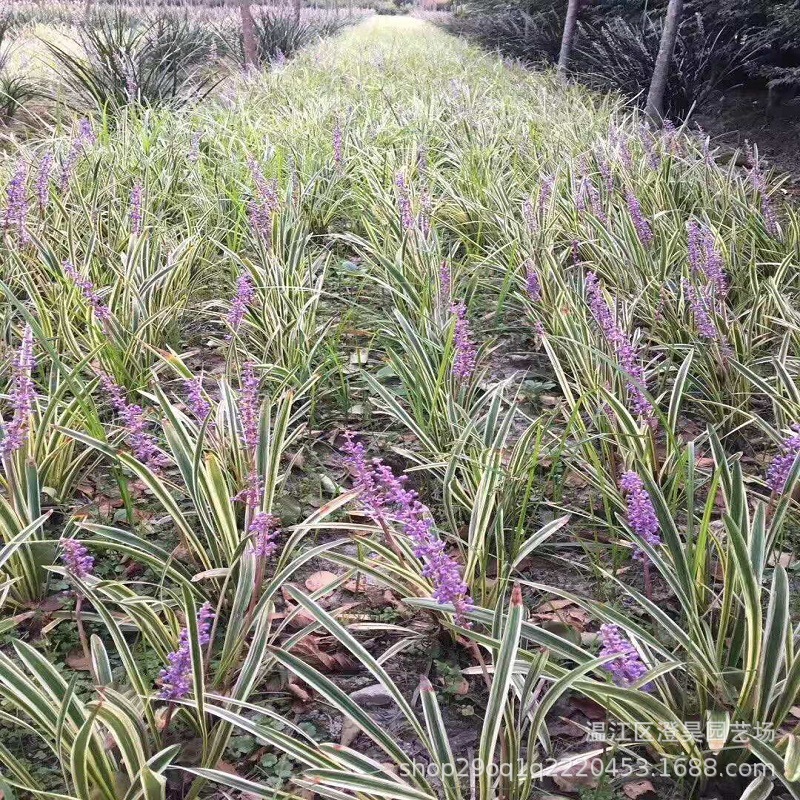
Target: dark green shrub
151 62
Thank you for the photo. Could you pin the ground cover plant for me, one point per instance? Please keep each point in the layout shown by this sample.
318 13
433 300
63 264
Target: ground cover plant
395 422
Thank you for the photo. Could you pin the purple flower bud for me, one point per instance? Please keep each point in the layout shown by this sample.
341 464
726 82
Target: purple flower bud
249 406
193 155
43 179
23 396
759 182
131 85
86 132
620 141
702 306
588 198
265 203
627 356
90 294
404 202
385 498
533 285
643 230
16 216
338 145
252 492
704 258
80 143
245 295
176 679
140 440
195 399
424 217
76 558
445 283
136 213
466 354
263 530
641 515
607 175
781 466
529 215
627 667
546 192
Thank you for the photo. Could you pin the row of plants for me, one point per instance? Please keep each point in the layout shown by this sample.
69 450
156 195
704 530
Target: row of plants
116 57
237 334
718 45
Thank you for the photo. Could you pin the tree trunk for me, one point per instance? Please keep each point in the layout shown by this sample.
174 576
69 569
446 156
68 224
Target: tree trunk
658 85
568 38
296 10
248 35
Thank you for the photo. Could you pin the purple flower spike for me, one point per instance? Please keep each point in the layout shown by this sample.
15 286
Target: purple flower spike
404 202
76 558
86 132
533 285
140 440
641 515
249 406
759 183
43 179
643 229
245 295
263 530
781 466
466 354
136 209
16 216
23 395
546 191
704 258
627 667
85 138
384 497
176 679
605 171
264 204
90 294
587 197
627 356
529 215
193 155
445 282
195 399
252 492
701 304
424 217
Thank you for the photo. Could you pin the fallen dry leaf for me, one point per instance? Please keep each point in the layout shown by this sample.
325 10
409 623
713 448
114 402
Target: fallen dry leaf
224 766
321 651
350 732
590 709
319 580
77 660
553 605
639 790
579 774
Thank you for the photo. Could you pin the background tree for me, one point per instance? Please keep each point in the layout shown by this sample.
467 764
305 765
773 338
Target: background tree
568 38
248 34
658 85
